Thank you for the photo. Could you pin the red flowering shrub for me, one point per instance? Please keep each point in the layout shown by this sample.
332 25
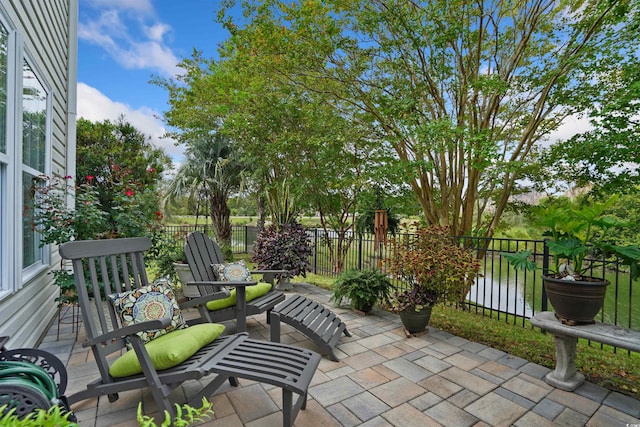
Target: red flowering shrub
133 211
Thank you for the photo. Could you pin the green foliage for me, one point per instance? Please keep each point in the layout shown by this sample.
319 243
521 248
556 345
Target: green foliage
211 172
132 213
433 265
283 247
578 239
462 122
169 249
55 416
363 287
185 415
65 280
57 222
116 159
603 159
282 204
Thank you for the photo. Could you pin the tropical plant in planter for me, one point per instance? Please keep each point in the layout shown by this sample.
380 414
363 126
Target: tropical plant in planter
363 287
435 268
283 247
577 238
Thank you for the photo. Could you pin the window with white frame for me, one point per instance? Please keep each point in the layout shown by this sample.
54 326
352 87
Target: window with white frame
34 156
25 114
4 261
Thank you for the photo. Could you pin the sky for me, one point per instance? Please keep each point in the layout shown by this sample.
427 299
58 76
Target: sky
122 44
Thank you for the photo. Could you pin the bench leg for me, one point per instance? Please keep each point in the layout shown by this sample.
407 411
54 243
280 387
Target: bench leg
565 376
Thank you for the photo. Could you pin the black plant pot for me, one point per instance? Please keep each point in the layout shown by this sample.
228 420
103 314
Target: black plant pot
576 302
416 321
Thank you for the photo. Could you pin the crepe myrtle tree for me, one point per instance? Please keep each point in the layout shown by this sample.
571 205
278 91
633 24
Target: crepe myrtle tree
461 91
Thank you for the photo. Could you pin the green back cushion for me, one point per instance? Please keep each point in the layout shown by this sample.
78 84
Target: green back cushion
168 350
252 292
155 301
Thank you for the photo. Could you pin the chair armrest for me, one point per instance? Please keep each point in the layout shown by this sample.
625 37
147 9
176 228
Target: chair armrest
217 283
192 302
269 271
129 331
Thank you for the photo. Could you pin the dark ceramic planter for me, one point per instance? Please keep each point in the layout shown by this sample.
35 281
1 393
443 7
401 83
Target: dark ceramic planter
416 321
576 302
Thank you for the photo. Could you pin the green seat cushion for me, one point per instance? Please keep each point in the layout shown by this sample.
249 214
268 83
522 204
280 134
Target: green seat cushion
252 292
168 350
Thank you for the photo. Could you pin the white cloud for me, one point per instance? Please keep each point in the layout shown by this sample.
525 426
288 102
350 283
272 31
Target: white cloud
570 126
95 106
157 31
134 44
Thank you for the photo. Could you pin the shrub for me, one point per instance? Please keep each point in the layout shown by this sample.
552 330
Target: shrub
283 247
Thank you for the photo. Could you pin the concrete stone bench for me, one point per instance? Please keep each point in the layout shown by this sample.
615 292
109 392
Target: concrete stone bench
565 376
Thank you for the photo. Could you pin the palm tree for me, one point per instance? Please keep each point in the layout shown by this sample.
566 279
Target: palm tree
211 171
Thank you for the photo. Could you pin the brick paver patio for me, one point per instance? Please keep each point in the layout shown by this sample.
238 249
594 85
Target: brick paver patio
383 379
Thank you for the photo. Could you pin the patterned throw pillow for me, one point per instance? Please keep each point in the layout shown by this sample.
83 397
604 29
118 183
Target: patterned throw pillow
151 302
232 272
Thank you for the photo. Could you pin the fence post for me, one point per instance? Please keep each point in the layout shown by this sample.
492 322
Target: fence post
545 271
315 251
360 252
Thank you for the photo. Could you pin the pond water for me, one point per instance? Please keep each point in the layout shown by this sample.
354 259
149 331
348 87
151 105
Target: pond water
503 295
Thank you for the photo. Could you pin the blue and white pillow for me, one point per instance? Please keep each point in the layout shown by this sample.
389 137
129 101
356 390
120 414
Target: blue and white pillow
232 272
156 301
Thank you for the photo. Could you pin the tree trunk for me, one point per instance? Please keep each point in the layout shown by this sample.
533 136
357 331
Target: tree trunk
262 209
220 218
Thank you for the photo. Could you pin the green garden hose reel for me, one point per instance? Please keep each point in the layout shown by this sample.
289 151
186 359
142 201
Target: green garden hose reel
29 376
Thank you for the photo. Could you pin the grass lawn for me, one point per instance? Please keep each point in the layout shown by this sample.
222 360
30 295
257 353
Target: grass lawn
312 221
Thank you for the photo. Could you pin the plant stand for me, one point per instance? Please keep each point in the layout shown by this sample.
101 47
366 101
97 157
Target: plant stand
565 376
414 334
284 284
63 317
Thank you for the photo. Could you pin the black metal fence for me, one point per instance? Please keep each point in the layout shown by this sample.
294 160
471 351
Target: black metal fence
499 290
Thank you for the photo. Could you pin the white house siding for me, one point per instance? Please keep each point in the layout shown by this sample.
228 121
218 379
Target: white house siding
47 31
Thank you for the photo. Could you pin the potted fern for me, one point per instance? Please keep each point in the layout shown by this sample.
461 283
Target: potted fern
364 288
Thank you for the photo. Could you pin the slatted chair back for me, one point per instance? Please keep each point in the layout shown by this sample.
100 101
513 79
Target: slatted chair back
102 268
201 252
